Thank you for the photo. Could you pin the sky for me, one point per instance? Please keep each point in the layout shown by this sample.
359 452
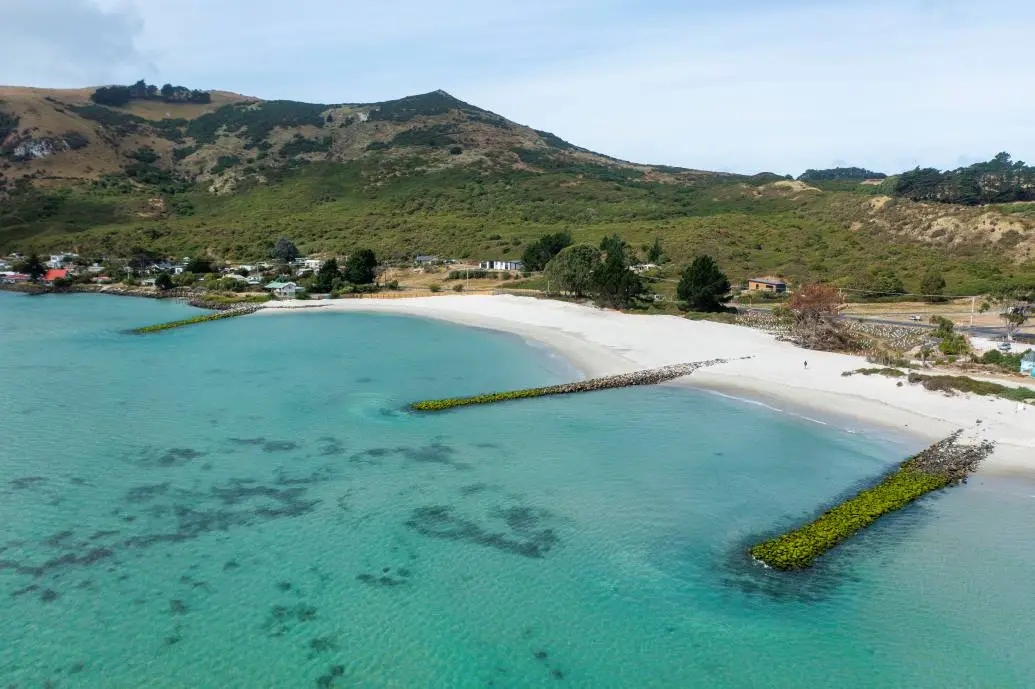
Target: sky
732 85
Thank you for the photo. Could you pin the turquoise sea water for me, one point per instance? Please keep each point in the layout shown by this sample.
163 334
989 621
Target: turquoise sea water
243 504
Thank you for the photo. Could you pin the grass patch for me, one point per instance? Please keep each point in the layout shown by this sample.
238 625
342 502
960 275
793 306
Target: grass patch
887 372
978 387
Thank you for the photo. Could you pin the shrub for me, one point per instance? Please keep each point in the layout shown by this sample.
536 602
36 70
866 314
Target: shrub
459 287
435 287
74 140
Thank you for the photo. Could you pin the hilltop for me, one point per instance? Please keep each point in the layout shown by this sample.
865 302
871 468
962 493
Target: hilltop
433 174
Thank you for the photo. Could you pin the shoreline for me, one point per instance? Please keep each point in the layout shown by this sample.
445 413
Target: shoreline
598 342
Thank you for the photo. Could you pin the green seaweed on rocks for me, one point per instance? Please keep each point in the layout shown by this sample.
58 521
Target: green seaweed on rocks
219 315
648 377
946 463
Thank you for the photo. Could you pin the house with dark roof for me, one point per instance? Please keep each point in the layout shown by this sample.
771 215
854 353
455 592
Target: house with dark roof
767 284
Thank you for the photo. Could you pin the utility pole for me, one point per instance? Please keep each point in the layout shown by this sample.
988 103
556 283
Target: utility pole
973 305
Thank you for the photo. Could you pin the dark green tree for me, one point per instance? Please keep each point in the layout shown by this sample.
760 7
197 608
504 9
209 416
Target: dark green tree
163 281
33 267
614 284
655 254
361 267
572 269
537 254
328 278
932 286
199 266
285 250
703 286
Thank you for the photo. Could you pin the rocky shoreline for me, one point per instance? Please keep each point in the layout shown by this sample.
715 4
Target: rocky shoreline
193 297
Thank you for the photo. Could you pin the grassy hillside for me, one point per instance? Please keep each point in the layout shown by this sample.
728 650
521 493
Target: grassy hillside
431 174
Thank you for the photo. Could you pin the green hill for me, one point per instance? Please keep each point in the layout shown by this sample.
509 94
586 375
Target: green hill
432 174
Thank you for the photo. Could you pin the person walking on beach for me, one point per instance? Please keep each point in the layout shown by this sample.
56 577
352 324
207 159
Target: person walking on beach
806 364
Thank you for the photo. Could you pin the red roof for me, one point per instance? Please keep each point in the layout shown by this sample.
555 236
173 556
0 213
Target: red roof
55 273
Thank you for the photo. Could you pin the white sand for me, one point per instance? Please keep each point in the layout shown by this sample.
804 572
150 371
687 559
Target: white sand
602 342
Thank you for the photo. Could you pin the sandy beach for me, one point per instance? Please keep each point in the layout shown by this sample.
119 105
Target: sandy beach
601 342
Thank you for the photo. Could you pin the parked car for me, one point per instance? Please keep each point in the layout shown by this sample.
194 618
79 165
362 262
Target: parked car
1004 347
915 317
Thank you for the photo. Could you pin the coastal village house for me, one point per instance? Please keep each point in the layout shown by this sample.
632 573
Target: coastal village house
425 260
55 274
501 265
284 290
767 284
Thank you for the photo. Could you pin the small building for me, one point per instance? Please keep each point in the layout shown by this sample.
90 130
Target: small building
425 260
767 284
1028 364
501 265
643 267
284 290
11 278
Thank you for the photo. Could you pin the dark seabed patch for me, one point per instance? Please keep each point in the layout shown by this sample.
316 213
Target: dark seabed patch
266 445
283 618
150 457
527 535
435 453
147 492
185 515
26 482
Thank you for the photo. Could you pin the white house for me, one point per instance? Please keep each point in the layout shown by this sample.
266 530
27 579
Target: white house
501 265
284 290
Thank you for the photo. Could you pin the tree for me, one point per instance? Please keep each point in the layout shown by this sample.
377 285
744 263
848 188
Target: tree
572 269
703 286
33 267
285 250
813 303
361 266
882 282
613 283
1013 318
167 91
163 281
932 286
655 254
537 254
327 277
199 266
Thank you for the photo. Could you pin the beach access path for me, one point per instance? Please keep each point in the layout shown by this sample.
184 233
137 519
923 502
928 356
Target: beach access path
603 342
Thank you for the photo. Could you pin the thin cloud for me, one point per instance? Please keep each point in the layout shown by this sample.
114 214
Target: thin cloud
65 43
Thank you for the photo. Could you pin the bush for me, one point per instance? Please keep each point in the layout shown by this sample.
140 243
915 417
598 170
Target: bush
435 287
459 287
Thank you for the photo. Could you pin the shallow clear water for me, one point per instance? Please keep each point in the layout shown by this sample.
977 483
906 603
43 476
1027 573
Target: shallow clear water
243 504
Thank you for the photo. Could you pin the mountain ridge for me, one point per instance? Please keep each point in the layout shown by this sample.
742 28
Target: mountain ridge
433 174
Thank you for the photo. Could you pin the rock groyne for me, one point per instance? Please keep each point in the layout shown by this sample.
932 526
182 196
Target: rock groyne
946 463
623 380
230 312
